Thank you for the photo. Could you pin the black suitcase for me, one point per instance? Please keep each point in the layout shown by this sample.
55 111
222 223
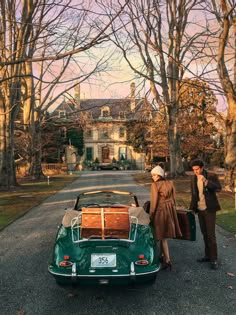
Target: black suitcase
187 224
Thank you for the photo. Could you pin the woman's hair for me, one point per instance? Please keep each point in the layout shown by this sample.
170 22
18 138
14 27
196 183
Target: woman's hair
197 162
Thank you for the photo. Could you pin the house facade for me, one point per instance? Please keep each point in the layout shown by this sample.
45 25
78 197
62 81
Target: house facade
104 124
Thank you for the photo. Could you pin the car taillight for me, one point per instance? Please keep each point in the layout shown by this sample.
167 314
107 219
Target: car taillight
65 263
141 262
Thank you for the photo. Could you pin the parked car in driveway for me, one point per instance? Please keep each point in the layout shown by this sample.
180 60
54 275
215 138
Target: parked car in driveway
105 239
107 166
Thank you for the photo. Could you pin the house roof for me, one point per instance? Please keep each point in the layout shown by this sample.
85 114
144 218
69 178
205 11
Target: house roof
116 106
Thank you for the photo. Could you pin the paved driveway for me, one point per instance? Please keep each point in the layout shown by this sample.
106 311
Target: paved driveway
27 288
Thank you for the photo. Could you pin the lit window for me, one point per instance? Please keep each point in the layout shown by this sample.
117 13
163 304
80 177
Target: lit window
122 153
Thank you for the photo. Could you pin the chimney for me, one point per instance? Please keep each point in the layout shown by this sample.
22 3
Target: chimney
132 96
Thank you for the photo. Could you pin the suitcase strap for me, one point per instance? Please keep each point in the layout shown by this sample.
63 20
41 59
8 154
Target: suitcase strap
103 223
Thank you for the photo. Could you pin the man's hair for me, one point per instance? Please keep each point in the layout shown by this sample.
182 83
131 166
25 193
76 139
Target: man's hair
197 162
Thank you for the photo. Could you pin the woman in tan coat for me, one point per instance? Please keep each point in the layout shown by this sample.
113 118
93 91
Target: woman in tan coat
163 213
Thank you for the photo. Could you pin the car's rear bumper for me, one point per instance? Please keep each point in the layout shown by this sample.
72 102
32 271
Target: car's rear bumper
75 278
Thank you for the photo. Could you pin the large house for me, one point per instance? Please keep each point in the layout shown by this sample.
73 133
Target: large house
104 124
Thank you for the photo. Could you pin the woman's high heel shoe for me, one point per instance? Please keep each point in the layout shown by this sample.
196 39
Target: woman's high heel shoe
167 265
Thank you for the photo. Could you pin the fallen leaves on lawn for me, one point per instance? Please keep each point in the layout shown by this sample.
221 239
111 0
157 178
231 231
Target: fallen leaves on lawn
230 274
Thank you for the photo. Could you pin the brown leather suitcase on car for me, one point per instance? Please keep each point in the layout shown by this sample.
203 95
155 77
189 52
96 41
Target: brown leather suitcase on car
91 226
105 223
117 223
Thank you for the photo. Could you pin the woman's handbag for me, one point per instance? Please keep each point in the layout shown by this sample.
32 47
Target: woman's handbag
187 224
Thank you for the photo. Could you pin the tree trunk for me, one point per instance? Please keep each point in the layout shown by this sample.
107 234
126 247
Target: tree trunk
7 164
230 149
229 86
35 170
176 164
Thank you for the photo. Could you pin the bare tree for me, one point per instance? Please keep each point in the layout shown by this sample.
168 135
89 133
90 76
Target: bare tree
225 13
25 27
158 39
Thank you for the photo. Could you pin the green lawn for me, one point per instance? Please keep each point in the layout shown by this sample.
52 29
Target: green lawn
15 203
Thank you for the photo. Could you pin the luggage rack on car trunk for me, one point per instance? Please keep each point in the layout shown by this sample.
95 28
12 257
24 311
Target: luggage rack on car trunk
104 224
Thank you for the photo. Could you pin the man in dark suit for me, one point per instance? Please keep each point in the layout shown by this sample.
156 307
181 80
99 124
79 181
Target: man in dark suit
204 202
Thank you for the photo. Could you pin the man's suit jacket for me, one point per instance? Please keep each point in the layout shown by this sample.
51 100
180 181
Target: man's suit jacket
212 187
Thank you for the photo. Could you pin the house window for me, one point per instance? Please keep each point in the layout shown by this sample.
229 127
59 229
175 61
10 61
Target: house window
62 114
105 111
105 134
122 115
121 132
89 154
122 153
89 133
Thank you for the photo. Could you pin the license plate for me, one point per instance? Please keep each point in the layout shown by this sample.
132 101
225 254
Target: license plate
103 260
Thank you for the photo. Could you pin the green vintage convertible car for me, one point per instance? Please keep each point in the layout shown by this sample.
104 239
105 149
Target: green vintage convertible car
105 239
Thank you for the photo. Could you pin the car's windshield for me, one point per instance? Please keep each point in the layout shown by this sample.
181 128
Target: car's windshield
107 198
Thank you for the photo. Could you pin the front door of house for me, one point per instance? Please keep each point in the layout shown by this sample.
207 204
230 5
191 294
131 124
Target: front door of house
105 154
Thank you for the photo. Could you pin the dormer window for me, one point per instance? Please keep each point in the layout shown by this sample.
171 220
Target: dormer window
122 115
62 113
105 111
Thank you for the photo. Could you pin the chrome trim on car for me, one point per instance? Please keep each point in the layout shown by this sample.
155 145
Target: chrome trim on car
76 226
132 269
73 269
104 276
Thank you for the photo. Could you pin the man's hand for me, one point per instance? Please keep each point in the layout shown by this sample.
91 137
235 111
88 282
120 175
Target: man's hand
203 179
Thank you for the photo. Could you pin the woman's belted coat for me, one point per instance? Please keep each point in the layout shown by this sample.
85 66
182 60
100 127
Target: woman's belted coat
163 213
